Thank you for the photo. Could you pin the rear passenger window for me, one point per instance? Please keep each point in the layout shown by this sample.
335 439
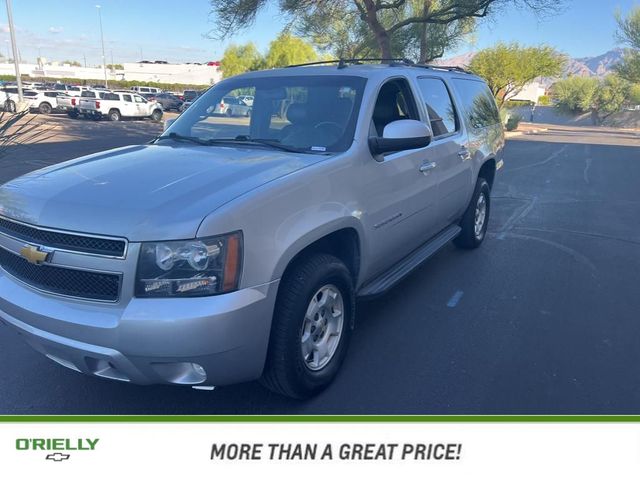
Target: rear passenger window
477 103
442 113
126 98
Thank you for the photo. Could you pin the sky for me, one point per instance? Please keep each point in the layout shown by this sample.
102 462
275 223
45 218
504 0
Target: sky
177 31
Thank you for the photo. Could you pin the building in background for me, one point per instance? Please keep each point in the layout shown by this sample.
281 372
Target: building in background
186 73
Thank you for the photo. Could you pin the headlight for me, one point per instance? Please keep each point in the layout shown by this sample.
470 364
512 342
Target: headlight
190 268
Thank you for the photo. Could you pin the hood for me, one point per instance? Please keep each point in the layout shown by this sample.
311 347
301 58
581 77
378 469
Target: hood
148 192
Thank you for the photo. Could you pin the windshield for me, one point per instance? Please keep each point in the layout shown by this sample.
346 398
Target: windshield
308 113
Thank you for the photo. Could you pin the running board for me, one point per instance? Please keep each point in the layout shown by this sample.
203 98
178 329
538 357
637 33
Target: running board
409 263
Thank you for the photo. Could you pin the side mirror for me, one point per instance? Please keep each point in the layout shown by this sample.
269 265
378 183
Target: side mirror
401 135
168 122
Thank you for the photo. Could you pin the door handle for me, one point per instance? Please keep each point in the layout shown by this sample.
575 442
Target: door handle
464 153
426 167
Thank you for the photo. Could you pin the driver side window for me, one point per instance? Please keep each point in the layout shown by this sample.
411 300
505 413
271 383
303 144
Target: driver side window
395 102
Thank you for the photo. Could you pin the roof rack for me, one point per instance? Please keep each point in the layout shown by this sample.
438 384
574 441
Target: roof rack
344 62
393 62
450 68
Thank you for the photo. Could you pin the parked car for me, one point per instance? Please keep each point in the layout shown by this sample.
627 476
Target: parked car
45 101
71 90
168 101
9 97
115 106
228 250
232 107
190 95
141 89
246 99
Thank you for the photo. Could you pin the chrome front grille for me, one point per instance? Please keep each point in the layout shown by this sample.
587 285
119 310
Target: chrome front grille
79 265
62 280
94 245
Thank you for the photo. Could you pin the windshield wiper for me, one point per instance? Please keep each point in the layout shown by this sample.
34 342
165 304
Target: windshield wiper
185 138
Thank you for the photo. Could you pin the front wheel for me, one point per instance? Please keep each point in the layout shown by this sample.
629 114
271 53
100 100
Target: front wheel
476 218
311 328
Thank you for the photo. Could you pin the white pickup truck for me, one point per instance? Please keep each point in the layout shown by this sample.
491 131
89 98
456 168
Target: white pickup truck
71 104
115 105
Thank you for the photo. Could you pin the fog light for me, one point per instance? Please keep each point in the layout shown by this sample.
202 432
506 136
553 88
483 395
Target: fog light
199 370
183 373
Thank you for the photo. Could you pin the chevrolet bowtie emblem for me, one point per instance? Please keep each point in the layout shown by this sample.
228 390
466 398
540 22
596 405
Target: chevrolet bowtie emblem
35 255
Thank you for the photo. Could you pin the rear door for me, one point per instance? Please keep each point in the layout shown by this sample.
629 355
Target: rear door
448 149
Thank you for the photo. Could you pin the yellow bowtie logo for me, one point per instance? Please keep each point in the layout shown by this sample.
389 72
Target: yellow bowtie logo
34 255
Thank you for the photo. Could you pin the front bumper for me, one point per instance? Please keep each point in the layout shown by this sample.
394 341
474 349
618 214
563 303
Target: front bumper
215 340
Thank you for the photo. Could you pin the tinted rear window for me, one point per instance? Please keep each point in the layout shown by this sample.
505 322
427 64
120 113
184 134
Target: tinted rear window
478 105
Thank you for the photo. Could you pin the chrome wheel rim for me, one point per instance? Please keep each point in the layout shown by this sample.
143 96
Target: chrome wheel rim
322 327
481 216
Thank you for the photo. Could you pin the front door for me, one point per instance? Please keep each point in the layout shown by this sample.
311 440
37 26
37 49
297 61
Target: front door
401 209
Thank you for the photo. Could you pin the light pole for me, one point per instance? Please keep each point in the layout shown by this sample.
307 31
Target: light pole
15 50
104 62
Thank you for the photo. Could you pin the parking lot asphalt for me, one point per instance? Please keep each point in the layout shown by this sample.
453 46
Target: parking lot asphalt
544 318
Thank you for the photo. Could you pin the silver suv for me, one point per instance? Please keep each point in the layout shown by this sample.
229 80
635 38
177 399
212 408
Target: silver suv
234 248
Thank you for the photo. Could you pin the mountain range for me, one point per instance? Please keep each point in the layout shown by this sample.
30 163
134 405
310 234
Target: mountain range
597 66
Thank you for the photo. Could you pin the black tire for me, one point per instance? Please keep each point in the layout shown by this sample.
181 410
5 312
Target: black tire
248 114
114 115
229 112
72 114
96 116
156 115
286 371
45 108
468 238
10 106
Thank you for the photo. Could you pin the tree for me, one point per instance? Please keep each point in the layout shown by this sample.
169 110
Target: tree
241 58
629 34
73 63
383 20
601 98
507 68
289 50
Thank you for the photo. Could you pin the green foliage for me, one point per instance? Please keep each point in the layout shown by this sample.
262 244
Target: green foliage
544 100
289 50
575 94
587 94
634 94
115 66
507 68
238 59
629 34
73 63
512 122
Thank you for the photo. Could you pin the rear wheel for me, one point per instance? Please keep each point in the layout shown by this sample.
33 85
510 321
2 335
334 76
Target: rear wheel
476 218
45 108
10 106
156 115
229 112
311 328
114 115
73 113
